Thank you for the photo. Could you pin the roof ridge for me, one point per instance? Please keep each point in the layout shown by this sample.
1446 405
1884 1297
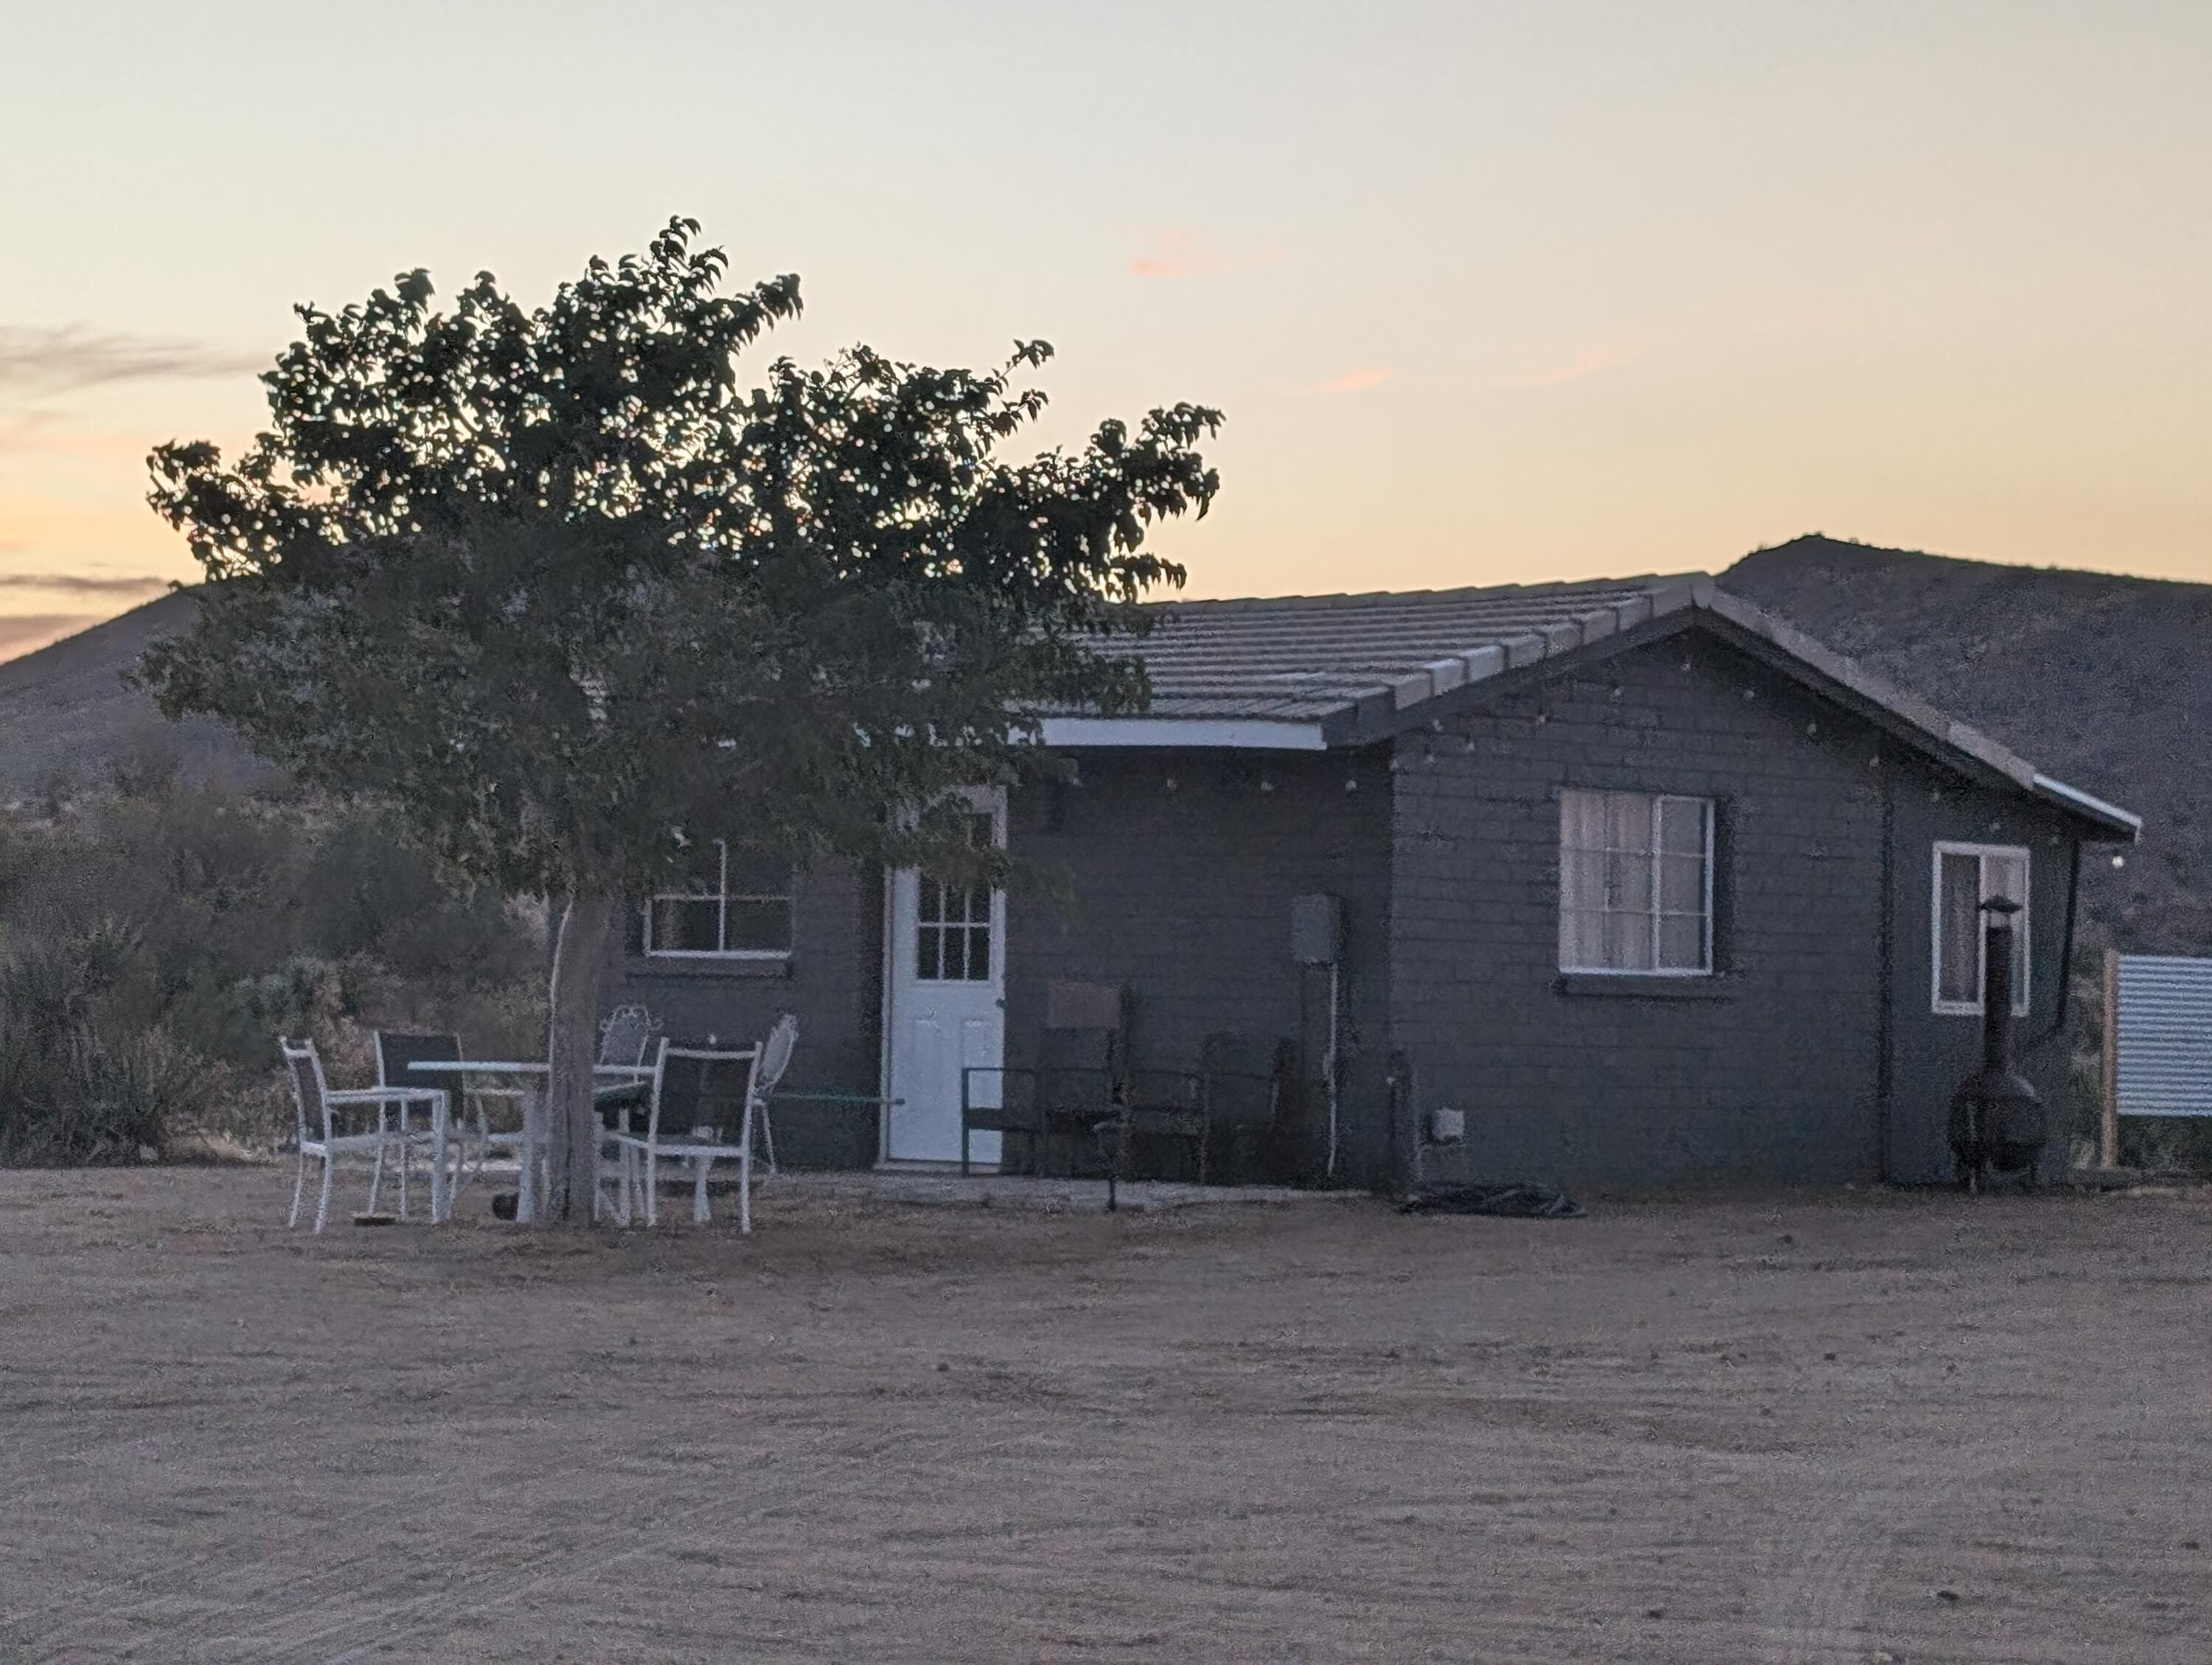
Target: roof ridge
1647 581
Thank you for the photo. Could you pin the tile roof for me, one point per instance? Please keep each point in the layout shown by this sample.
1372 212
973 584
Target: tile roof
1316 671
1304 657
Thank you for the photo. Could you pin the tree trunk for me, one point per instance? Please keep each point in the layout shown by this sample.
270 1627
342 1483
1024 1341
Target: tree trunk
572 1121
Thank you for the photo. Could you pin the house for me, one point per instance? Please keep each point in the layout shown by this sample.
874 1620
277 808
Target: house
1648 886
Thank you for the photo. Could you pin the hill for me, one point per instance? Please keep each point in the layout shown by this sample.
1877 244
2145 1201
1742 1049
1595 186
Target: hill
2105 682
66 715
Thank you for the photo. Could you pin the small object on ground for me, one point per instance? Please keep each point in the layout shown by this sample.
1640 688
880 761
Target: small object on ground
1521 1201
366 1219
503 1205
1946 1596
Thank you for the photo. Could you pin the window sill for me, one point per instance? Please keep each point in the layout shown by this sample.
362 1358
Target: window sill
677 965
1631 986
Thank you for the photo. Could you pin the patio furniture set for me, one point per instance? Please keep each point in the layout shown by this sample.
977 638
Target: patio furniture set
1084 1105
667 1111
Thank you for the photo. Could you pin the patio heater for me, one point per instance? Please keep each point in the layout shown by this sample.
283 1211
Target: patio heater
1996 1117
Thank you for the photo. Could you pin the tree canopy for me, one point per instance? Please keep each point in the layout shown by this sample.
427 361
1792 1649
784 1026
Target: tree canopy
569 597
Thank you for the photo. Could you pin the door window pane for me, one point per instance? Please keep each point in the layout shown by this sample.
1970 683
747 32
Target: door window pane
952 927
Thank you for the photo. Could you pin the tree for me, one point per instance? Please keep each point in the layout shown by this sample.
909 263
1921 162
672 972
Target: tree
551 585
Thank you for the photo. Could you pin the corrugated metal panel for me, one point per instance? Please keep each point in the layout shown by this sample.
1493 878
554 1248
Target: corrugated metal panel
2166 1036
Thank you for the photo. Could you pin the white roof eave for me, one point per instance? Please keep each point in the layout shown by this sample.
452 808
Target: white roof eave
2089 804
1211 733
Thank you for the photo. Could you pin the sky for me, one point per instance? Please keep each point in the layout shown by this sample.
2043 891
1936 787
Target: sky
1489 292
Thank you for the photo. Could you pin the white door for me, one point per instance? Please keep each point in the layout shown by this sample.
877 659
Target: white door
946 986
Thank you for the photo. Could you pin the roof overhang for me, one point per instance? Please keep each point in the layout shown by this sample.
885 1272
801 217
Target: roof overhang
2124 823
1184 733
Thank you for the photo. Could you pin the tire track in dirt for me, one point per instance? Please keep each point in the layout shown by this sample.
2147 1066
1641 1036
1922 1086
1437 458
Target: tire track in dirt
399 1612
1816 1612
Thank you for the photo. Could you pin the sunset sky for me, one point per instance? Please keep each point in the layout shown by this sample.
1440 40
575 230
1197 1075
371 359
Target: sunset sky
1489 291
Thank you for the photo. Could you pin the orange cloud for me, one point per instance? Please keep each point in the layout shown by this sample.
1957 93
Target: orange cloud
1590 363
1353 381
25 633
48 431
1178 252
81 584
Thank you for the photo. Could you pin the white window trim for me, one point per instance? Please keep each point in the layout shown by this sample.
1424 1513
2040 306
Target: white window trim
1712 819
1943 1007
720 895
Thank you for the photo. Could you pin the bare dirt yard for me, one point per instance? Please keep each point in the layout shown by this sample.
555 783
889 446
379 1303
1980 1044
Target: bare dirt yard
1843 1427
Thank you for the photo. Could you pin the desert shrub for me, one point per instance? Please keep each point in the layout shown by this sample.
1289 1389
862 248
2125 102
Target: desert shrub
156 939
2167 1145
83 1077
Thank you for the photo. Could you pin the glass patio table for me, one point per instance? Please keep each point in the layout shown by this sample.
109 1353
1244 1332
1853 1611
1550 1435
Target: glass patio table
531 1074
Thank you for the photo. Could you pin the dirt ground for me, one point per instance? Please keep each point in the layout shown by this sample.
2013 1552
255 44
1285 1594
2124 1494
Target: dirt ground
1844 1427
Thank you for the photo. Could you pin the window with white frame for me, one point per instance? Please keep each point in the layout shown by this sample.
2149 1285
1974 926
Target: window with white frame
1966 876
1636 883
735 905
952 922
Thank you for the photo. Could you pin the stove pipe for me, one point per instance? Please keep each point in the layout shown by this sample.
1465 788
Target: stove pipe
1996 1117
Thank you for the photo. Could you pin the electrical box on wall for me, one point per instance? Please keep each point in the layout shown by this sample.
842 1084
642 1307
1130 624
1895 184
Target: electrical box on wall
1316 929
1447 1127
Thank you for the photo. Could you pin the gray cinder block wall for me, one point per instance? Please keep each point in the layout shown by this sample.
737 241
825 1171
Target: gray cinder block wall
1183 866
1788 1066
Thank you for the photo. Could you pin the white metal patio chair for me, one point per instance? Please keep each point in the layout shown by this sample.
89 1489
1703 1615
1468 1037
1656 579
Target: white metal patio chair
317 1106
706 1088
774 1059
626 1035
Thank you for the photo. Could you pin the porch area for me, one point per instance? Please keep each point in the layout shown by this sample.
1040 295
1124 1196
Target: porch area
946 1187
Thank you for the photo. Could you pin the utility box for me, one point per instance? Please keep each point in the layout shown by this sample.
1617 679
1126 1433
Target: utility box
1316 929
1447 1127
